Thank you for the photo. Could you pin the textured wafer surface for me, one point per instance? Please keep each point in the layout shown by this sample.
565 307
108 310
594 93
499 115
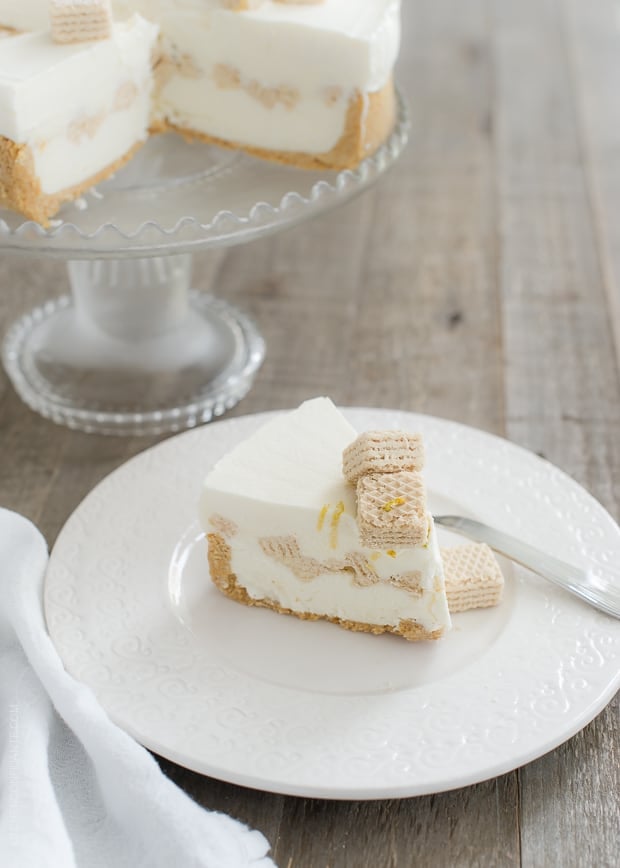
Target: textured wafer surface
473 577
382 452
80 20
391 510
224 578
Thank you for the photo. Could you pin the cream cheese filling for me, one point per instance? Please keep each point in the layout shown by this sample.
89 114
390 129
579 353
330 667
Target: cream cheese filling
90 144
253 117
336 594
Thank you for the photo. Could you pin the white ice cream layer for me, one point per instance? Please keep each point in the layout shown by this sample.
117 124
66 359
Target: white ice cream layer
198 104
286 481
322 55
105 105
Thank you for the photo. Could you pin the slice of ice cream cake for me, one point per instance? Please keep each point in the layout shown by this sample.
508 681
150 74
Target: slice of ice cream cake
286 531
71 112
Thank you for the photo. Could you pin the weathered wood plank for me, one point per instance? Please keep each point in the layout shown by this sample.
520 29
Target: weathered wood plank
562 387
593 43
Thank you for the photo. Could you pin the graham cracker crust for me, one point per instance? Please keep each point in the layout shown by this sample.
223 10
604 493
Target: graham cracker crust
223 577
20 188
370 120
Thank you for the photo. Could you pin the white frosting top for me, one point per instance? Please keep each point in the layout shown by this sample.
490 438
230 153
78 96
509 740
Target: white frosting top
295 460
356 42
358 19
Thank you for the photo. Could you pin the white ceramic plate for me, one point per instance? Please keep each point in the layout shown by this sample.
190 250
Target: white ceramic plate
306 708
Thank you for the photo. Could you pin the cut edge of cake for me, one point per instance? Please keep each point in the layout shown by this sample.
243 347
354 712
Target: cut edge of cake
219 554
20 187
369 121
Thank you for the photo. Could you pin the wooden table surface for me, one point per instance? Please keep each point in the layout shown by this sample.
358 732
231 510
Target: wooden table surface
479 281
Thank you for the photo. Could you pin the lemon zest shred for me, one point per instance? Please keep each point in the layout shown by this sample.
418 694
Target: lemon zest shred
322 515
337 513
396 501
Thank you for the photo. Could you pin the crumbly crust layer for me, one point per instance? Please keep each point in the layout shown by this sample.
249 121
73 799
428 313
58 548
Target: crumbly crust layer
370 119
224 578
21 191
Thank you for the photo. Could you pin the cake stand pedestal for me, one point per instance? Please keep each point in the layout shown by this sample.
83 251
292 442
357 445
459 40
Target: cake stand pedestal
134 350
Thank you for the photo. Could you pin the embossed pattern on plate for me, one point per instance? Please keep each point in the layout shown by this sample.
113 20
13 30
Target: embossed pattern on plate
261 700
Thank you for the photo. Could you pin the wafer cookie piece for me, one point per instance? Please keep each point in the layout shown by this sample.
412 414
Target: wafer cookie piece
473 577
382 452
391 510
80 20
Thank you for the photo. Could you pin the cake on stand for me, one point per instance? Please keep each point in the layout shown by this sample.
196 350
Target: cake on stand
134 350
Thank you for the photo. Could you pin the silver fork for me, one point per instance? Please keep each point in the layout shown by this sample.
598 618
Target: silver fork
594 590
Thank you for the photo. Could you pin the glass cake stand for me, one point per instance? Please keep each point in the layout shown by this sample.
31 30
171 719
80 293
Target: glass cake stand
133 349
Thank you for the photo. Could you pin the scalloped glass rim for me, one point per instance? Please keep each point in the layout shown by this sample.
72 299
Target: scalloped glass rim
225 228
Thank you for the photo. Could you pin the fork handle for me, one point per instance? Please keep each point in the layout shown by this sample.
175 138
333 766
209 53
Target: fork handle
582 583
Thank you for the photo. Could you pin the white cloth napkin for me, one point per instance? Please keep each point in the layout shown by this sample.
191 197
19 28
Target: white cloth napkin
75 790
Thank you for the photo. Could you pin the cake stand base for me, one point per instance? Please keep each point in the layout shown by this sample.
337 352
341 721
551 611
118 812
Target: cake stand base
133 350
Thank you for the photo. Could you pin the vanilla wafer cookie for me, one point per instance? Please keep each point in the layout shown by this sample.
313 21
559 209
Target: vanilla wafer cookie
80 20
391 510
382 452
473 577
